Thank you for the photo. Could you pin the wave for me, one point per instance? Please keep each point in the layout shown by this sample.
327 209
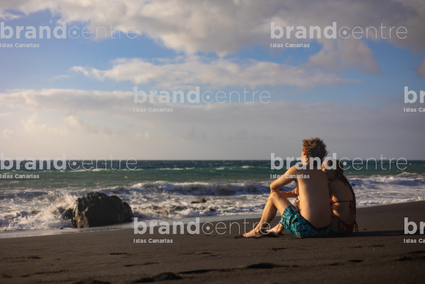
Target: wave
40 209
202 188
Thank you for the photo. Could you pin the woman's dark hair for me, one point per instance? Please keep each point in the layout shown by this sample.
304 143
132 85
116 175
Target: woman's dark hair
339 173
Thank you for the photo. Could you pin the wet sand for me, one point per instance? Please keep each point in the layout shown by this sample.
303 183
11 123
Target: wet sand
376 254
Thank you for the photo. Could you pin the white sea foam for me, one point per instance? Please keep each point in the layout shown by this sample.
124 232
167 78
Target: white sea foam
31 209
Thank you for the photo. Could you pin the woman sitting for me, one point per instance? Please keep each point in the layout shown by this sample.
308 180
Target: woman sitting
342 199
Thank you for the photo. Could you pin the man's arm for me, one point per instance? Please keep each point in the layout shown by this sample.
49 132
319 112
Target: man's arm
293 193
286 178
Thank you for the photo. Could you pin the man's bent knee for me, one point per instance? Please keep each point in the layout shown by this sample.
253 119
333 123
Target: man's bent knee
274 194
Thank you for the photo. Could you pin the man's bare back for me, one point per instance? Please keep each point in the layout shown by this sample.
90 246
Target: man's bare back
312 219
312 191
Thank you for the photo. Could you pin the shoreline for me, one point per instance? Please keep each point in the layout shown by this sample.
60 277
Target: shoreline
125 226
377 253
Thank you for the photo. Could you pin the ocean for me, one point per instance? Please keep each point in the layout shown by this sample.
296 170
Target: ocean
164 190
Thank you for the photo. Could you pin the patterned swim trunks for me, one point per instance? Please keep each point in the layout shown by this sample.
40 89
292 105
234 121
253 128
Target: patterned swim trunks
295 223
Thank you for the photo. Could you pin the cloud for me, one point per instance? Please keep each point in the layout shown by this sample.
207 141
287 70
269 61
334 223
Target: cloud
345 53
349 128
69 100
194 134
68 126
6 16
10 115
217 73
224 27
420 69
32 127
7 133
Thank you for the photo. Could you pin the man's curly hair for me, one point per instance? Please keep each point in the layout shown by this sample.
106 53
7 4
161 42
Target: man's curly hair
315 147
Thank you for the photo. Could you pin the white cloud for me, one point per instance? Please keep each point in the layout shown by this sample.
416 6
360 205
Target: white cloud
345 53
194 134
68 126
97 123
10 115
217 73
224 27
7 133
218 131
69 100
6 16
32 127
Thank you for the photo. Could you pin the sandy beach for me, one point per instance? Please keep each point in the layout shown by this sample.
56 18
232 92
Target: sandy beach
376 254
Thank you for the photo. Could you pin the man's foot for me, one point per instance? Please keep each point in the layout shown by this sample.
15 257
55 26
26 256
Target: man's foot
253 234
276 230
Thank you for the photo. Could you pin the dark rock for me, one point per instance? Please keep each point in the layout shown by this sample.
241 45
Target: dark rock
98 209
67 215
202 200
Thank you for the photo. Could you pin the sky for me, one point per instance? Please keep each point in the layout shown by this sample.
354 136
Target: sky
71 90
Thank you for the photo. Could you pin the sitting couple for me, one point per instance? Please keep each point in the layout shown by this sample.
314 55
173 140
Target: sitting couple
325 199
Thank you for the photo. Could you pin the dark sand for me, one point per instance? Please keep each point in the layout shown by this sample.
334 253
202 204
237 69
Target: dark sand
376 254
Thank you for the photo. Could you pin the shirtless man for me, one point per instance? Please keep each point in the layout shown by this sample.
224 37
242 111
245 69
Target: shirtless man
313 216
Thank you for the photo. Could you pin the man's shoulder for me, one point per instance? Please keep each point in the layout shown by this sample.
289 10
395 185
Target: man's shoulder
305 169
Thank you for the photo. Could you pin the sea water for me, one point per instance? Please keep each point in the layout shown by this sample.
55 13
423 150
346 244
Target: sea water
165 190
